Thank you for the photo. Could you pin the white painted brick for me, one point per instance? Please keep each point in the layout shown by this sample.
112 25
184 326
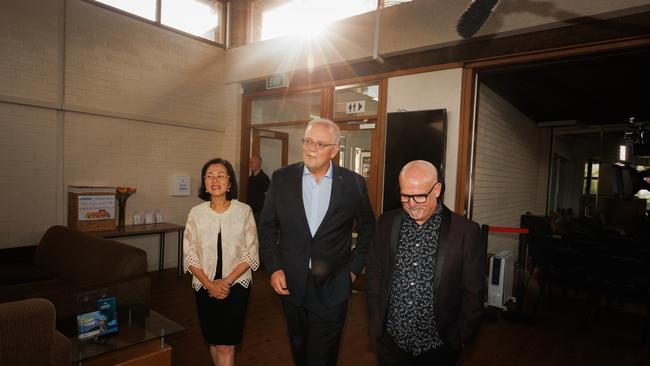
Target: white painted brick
128 66
29 33
27 173
511 168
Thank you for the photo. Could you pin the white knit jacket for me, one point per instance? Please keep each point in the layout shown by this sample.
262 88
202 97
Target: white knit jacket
238 238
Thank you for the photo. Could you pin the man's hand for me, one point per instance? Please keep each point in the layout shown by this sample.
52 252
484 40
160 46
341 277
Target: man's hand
353 276
279 283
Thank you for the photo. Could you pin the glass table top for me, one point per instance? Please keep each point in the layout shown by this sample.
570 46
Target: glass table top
132 330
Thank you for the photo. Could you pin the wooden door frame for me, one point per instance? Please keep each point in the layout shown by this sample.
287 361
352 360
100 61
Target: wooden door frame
255 150
469 102
258 133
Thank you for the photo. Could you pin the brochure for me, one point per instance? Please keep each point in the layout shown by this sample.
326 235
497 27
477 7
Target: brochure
100 322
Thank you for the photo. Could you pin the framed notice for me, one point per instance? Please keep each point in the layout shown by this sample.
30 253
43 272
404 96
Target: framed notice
96 207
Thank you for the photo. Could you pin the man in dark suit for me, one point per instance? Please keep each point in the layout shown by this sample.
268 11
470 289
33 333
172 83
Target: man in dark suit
258 184
306 243
425 276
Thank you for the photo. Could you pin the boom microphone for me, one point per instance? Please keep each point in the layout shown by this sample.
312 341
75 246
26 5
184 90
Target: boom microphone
473 18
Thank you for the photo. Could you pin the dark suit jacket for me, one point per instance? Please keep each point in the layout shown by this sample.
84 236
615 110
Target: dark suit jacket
286 242
459 278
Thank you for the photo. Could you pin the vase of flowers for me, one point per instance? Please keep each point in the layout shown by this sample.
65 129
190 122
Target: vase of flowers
121 195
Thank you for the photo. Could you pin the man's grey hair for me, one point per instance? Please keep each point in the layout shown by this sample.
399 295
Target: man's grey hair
336 131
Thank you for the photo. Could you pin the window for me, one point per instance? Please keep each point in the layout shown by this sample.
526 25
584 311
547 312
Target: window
282 108
388 3
198 17
360 100
201 18
141 8
592 170
303 17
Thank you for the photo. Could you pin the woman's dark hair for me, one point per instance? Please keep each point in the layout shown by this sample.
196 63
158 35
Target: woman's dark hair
232 193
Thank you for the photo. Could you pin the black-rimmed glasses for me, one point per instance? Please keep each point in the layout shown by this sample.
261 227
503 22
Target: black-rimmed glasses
418 198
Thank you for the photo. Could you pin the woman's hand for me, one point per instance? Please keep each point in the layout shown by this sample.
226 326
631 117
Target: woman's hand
219 288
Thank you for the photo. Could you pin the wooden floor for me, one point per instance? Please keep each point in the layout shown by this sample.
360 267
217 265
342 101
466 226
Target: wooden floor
557 336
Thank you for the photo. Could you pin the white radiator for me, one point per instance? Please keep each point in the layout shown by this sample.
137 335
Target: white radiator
500 279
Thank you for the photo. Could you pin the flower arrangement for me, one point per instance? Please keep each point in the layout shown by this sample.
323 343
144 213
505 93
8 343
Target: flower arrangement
122 194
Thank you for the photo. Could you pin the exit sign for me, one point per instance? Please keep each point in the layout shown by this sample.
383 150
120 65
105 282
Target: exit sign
276 81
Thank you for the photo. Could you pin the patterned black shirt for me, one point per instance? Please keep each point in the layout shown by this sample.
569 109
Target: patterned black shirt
411 320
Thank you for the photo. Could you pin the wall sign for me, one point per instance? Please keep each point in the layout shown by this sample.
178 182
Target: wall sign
357 106
276 81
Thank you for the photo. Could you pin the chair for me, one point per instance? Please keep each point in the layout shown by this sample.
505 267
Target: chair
28 336
536 245
591 249
565 268
626 280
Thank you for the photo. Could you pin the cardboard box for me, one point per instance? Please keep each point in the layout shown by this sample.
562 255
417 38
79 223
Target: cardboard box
91 208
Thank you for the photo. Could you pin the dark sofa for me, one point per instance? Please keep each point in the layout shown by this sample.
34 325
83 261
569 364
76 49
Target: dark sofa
71 269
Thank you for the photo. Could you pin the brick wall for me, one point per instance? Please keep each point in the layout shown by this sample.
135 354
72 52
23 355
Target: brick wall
30 43
511 168
29 173
122 66
105 100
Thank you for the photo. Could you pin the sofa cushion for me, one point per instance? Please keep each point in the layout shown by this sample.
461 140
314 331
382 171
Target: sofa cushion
78 257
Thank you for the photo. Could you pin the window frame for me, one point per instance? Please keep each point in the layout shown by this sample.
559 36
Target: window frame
157 22
589 178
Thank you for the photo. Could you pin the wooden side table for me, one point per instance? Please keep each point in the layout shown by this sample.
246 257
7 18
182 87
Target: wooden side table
144 354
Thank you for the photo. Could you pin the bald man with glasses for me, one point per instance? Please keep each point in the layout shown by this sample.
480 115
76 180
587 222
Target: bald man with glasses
425 276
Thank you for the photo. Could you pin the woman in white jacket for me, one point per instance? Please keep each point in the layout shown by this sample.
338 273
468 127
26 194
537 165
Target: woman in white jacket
221 250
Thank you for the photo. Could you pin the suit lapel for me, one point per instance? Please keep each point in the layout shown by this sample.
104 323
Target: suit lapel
394 242
443 242
394 236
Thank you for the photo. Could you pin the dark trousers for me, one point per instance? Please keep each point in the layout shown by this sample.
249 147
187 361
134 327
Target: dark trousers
315 332
389 354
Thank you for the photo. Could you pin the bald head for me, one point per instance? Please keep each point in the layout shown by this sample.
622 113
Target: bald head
419 170
419 190
255 164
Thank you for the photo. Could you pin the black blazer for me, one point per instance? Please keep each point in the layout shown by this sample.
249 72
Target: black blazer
459 278
286 242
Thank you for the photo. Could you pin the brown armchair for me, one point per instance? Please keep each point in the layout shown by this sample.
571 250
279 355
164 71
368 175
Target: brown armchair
67 265
28 335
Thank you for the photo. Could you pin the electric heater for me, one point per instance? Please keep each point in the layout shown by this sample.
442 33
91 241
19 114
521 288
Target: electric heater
500 279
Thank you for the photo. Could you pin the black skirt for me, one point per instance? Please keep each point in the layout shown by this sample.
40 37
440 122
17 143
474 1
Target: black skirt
222 321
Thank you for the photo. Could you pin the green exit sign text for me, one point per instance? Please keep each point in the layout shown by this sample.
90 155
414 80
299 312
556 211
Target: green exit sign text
276 81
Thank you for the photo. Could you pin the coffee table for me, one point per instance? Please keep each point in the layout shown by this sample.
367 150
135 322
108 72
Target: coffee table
136 339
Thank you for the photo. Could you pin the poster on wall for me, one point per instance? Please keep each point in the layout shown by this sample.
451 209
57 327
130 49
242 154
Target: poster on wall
99 207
